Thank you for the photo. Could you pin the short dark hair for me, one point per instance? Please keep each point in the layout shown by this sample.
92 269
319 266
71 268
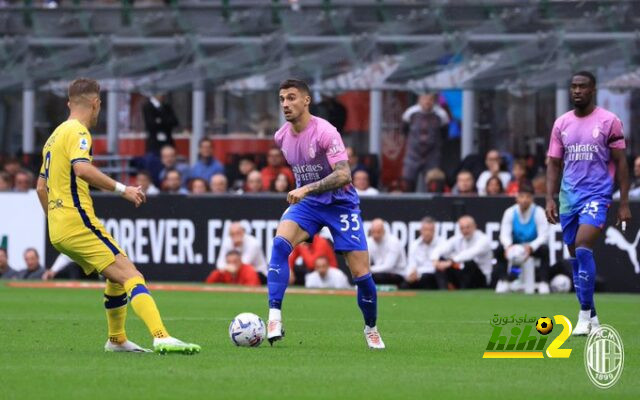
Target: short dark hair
296 83
170 170
586 74
233 252
83 86
28 249
144 172
525 187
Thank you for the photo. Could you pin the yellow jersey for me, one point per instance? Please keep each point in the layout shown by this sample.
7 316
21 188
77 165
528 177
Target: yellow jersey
70 205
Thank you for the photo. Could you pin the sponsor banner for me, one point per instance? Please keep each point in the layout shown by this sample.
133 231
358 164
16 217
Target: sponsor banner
179 237
22 225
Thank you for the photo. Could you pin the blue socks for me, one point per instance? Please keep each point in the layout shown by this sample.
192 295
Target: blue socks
586 278
367 299
278 272
576 278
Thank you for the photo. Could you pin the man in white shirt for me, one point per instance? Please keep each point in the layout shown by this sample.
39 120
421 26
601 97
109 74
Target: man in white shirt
493 161
421 273
361 183
388 260
523 223
326 277
466 258
246 245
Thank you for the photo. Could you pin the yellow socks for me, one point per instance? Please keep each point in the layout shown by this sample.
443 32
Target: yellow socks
115 304
144 306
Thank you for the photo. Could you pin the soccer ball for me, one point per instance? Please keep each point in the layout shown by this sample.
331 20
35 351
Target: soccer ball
544 325
517 254
247 330
560 284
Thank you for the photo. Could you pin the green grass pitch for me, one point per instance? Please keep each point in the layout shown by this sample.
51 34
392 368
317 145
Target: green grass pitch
51 348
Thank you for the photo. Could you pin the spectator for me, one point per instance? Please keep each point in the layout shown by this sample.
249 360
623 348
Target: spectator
245 166
207 165
494 187
218 184
12 166
34 269
435 181
281 184
466 258
356 165
421 274
23 181
303 257
254 182
197 186
6 272
493 162
248 247
172 183
361 183
464 184
275 166
5 182
524 223
325 277
234 272
143 179
159 121
169 161
388 260
519 173
424 141
539 185
634 189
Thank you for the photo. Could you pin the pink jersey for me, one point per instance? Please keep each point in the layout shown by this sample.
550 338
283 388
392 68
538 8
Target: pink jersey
312 154
584 144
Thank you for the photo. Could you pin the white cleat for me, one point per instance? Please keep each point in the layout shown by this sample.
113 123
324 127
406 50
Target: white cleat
126 347
595 323
374 341
543 288
275 331
502 287
583 327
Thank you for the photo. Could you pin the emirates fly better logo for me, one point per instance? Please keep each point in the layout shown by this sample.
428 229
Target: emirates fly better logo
604 357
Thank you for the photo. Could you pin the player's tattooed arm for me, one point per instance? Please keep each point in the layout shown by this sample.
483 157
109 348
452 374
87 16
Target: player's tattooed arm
340 176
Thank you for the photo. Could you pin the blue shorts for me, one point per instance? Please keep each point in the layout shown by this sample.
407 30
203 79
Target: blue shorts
593 212
344 223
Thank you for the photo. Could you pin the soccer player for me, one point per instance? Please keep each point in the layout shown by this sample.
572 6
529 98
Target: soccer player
323 196
590 143
74 230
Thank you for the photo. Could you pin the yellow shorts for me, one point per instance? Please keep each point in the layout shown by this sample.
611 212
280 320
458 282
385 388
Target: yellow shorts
92 248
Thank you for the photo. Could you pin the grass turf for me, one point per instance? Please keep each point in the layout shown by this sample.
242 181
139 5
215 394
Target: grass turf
51 348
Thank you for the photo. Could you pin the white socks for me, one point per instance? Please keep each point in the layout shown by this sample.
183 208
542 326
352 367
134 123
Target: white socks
275 314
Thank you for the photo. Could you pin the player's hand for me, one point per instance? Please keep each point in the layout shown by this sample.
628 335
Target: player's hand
624 215
135 195
296 195
413 276
551 211
48 274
